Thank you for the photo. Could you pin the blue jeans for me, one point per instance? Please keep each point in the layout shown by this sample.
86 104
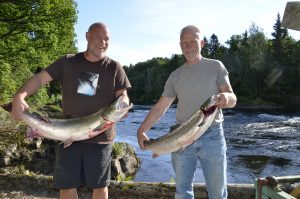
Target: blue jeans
210 150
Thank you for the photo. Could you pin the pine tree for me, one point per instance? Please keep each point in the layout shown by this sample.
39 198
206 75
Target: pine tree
277 42
214 46
204 50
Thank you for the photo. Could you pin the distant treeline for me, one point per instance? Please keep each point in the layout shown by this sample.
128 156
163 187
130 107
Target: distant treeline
34 33
262 70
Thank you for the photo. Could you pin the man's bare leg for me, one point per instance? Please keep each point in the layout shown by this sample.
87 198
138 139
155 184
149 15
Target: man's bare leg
100 193
68 193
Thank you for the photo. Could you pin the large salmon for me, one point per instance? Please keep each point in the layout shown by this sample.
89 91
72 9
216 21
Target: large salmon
186 133
75 129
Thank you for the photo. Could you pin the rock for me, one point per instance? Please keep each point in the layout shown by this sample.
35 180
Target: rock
6 154
38 156
124 162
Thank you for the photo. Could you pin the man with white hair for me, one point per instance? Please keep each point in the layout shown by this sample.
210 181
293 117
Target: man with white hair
193 83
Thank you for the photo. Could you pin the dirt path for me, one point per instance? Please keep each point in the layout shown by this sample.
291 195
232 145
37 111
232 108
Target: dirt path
26 187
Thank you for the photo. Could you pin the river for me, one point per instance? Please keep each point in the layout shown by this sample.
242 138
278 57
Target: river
258 144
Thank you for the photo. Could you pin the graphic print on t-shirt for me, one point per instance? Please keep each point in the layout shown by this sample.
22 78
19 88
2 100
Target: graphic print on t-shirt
87 83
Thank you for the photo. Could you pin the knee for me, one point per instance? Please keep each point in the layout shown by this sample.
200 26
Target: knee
100 193
68 193
100 190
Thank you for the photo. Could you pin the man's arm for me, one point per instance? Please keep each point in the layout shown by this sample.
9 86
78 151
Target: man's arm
154 114
31 86
226 98
123 92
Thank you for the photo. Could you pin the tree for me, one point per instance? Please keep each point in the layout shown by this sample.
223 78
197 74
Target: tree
279 36
204 50
33 33
213 47
253 61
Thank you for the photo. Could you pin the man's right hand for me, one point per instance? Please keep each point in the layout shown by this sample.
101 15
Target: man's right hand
19 105
142 137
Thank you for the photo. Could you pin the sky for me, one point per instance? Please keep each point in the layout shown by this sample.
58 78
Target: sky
144 29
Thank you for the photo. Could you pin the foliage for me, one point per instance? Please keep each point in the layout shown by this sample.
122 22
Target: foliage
261 70
120 178
5 80
117 148
148 78
33 33
253 61
214 47
277 43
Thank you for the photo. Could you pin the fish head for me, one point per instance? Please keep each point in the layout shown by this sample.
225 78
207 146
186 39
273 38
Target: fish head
117 110
209 106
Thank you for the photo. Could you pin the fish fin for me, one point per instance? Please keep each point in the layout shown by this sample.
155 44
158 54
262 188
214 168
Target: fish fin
41 117
32 133
172 128
67 143
126 115
181 149
94 133
106 142
105 127
110 134
202 122
98 132
183 144
155 155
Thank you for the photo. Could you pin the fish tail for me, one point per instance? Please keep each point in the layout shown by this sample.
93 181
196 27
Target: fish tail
67 143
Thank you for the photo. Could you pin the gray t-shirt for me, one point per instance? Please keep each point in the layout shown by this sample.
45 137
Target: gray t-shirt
194 84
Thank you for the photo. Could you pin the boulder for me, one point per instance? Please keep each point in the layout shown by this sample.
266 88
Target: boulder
38 156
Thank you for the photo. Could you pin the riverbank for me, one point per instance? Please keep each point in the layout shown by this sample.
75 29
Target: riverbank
245 163
28 187
266 108
243 107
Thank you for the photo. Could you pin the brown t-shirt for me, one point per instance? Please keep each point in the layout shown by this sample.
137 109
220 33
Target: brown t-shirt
87 86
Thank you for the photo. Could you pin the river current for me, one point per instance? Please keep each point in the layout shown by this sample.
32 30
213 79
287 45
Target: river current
258 144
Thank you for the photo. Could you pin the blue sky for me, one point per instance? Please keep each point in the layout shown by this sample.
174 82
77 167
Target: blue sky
143 29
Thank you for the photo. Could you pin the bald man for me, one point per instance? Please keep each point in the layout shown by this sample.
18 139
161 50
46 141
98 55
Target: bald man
89 81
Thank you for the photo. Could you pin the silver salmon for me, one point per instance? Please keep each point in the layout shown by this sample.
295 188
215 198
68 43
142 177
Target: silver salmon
76 129
186 133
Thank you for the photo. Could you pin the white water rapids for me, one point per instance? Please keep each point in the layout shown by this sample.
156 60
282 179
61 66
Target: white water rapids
259 144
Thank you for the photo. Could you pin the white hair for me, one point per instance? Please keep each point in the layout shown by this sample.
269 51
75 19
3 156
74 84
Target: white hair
192 28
